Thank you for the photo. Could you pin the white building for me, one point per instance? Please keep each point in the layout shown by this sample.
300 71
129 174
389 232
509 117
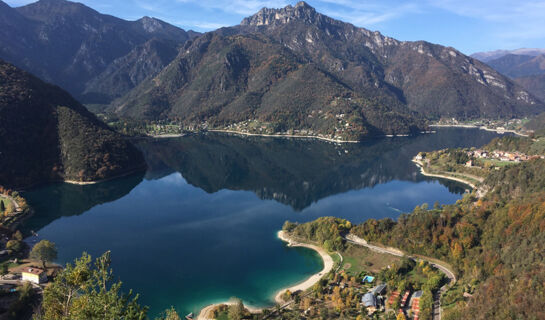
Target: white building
34 275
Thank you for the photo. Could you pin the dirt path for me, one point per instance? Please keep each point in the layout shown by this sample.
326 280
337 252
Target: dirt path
449 177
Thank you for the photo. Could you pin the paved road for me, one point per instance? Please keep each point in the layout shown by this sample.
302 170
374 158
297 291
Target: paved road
437 310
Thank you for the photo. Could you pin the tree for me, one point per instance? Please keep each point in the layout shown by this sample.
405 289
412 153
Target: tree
236 310
45 251
86 291
18 236
14 245
2 206
401 316
169 314
26 297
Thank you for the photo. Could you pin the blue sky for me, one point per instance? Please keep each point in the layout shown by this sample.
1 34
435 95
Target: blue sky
468 25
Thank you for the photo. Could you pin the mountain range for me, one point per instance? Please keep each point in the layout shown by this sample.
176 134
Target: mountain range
46 135
517 66
487 56
77 48
280 70
526 67
294 68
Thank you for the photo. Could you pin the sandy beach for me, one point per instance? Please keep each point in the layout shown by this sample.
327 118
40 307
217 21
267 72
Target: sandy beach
206 312
328 265
423 172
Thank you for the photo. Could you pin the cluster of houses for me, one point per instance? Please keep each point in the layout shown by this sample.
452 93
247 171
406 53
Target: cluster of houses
374 300
500 155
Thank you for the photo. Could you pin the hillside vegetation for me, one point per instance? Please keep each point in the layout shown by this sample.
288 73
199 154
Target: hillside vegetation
495 243
46 135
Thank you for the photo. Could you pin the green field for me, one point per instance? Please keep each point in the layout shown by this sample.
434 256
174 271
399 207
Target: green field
497 163
5 201
359 259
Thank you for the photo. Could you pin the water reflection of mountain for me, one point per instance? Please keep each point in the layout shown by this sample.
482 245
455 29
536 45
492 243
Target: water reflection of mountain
297 172
62 199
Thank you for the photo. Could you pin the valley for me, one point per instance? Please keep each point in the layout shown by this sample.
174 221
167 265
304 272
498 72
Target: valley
287 160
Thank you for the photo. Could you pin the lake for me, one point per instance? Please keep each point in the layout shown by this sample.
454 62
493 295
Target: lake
200 225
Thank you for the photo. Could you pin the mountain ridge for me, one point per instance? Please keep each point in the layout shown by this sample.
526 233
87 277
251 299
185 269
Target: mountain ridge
70 44
486 56
414 80
516 66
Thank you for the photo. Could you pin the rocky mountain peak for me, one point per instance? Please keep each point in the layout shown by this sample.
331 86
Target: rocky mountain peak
151 25
303 4
302 11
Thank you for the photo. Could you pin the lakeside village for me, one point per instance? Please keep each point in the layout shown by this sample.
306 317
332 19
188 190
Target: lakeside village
341 127
367 294
253 127
494 157
498 125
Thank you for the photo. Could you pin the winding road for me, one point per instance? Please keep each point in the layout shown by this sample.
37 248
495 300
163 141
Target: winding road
437 310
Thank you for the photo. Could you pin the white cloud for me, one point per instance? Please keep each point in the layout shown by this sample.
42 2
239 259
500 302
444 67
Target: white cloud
242 7
369 14
514 21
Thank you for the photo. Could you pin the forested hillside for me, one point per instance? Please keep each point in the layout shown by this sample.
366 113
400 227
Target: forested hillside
46 136
496 243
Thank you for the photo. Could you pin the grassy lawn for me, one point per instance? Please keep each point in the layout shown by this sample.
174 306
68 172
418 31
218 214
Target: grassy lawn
358 259
7 203
335 257
461 176
498 163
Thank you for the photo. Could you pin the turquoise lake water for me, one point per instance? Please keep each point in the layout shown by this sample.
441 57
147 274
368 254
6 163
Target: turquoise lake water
200 225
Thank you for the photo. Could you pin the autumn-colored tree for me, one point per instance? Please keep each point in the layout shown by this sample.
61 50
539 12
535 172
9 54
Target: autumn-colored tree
306 303
401 316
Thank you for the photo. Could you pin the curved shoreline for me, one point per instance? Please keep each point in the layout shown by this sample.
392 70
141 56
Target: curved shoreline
205 313
282 136
423 172
286 136
121 175
470 126
309 282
